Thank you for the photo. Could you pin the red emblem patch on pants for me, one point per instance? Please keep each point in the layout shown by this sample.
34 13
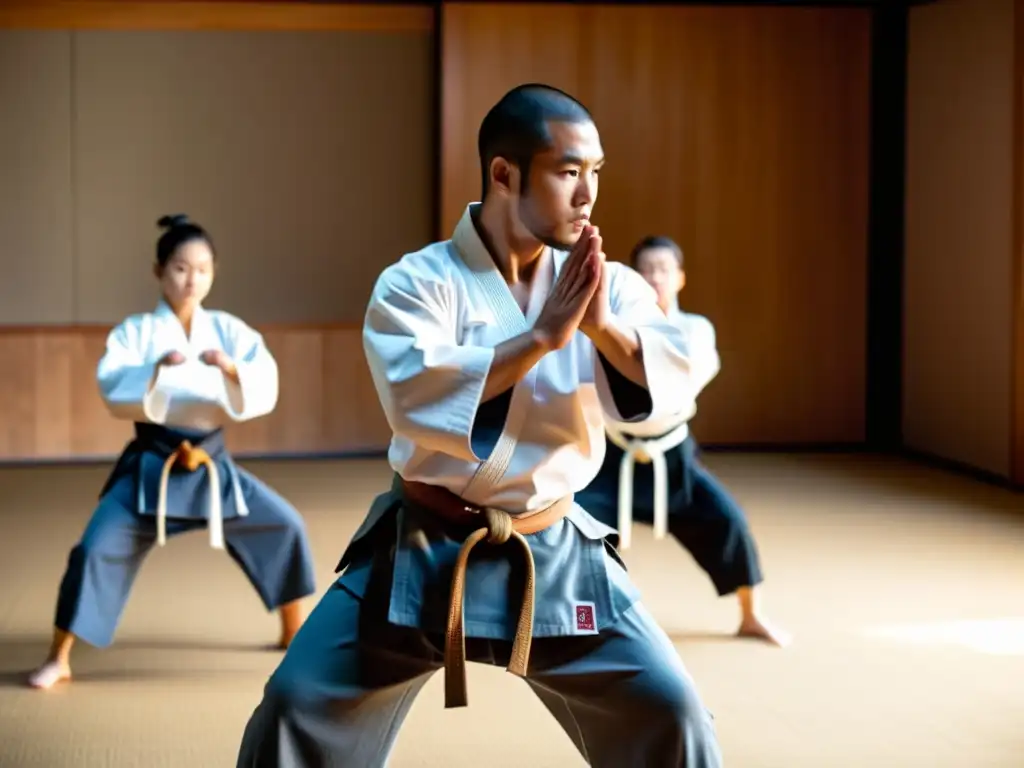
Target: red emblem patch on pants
585 621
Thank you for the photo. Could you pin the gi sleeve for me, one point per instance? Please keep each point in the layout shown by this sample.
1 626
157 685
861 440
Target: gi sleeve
256 392
705 360
666 355
126 382
429 384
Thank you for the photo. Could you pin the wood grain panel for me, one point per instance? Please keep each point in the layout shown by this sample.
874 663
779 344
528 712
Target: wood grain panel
958 264
334 119
50 409
1017 255
743 133
182 14
36 197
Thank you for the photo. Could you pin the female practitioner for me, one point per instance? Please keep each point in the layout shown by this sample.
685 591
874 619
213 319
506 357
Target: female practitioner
180 373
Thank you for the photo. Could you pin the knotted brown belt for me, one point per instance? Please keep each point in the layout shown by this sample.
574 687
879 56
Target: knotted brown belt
191 458
497 527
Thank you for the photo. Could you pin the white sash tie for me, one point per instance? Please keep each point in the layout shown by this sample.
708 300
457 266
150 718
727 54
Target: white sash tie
192 458
646 451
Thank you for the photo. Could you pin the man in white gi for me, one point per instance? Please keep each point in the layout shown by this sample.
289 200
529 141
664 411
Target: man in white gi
496 356
701 514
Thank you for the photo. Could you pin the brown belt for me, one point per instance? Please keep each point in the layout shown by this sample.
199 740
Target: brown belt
497 526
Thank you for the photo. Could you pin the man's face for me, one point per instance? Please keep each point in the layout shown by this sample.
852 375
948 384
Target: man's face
562 186
660 268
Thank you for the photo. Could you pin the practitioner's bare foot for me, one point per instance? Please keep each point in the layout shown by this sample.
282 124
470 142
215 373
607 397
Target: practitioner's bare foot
49 674
751 623
57 667
758 629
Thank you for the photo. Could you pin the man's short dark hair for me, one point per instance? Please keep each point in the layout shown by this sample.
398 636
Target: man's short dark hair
655 241
516 128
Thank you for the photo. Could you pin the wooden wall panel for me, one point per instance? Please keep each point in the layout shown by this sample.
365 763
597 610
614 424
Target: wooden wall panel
1017 253
263 138
50 408
36 197
293 162
742 132
958 266
240 15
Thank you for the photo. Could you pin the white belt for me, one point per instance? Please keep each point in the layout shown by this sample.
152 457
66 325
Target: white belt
192 458
645 451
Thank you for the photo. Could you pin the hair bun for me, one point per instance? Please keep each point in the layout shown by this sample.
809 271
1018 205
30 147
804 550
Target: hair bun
174 220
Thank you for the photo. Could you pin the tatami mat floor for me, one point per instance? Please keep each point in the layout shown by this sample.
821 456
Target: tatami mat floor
904 588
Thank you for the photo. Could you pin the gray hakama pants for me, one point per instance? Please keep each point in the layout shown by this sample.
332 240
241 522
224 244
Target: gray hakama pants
268 542
346 684
702 514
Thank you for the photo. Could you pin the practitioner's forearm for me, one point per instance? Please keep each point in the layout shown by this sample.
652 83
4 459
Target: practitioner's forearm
620 346
513 359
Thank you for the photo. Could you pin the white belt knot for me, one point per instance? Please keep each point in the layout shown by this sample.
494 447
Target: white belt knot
646 451
191 458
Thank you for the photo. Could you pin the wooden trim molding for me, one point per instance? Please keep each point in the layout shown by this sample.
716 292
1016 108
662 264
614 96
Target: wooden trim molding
189 15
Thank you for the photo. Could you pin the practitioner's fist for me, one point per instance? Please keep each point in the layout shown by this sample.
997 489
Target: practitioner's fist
571 294
171 358
217 359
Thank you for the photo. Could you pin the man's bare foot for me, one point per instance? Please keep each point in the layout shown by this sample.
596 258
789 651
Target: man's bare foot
49 674
758 629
